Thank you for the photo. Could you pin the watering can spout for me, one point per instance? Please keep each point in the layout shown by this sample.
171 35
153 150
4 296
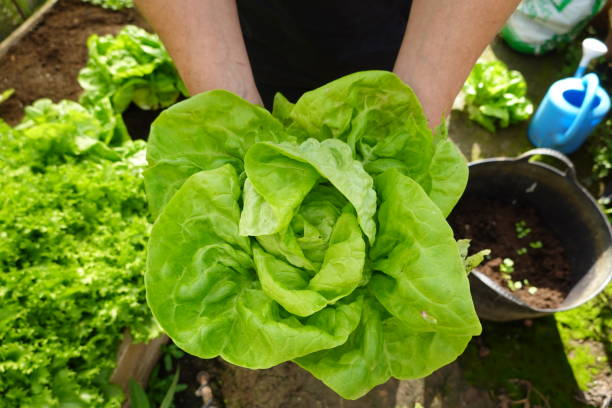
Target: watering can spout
591 48
591 84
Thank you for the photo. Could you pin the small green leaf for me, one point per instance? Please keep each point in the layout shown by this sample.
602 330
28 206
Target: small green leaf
472 261
536 244
507 265
167 401
6 94
138 397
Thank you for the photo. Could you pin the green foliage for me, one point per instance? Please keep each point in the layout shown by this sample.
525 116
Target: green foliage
131 67
139 399
73 231
472 261
138 396
496 96
522 230
590 322
53 132
601 149
507 265
6 94
161 378
316 234
112 4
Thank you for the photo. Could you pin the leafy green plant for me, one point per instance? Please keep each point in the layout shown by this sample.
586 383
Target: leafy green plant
496 96
315 234
139 398
53 132
73 228
522 230
536 244
161 377
131 67
507 266
471 261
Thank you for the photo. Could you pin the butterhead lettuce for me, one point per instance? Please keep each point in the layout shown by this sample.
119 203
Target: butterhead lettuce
315 234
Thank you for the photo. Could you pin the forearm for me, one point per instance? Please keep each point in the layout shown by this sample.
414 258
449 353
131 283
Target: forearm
205 41
442 42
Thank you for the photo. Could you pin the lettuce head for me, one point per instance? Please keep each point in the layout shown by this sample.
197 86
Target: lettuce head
314 234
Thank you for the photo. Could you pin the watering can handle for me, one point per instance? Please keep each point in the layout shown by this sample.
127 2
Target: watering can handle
570 171
590 83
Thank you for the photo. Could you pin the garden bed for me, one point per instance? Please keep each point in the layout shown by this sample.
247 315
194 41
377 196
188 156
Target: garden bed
46 61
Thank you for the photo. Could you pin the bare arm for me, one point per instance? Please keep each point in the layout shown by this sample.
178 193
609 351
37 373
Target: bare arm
206 44
442 42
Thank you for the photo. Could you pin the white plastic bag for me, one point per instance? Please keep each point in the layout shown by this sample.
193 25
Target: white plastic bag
537 26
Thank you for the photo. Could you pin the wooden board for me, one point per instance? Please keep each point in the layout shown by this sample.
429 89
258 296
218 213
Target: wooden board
136 360
25 27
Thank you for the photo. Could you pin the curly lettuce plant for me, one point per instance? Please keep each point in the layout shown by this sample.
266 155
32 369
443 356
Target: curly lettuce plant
131 67
315 234
496 96
73 229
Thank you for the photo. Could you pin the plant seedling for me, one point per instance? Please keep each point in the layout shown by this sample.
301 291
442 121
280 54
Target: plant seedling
532 290
514 285
507 265
521 229
506 268
521 251
536 244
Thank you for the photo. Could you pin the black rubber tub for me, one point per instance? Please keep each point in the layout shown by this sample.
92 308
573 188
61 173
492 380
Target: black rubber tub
566 208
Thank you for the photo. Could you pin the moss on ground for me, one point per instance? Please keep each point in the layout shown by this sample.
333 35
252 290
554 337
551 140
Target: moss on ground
580 328
552 356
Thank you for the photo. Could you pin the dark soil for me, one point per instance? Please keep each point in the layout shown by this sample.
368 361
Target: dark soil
283 386
46 62
492 225
138 121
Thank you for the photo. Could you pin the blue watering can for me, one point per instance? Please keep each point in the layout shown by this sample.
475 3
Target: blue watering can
572 107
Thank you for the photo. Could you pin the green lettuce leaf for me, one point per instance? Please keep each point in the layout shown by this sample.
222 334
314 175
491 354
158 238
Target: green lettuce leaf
201 283
377 115
132 66
381 347
496 96
55 131
301 166
315 234
216 128
423 278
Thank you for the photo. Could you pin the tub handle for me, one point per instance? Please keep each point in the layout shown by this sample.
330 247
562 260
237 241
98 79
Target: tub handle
570 171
